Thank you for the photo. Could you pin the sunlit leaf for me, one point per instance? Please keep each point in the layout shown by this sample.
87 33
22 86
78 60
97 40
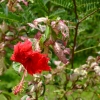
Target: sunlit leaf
8 97
2 65
25 97
16 66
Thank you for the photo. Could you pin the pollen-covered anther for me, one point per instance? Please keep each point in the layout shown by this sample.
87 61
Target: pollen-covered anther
19 88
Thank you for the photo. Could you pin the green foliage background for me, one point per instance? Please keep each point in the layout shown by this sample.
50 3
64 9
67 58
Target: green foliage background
88 36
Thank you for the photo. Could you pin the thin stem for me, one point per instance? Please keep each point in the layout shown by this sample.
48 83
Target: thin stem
76 28
76 31
93 96
85 49
89 15
23 75
65 84
36 92
75 9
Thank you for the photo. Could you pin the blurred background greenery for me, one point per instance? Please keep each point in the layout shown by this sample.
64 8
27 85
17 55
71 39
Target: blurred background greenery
88 37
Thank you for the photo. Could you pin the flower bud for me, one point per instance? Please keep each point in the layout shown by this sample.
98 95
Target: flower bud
93 64
48 76
33 88
85 66
36 77
39 84
73 77
90 59
97 69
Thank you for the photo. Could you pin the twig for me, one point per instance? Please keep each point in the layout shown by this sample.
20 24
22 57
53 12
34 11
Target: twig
75 9
76 30
89 15
36 95
77 25
85 49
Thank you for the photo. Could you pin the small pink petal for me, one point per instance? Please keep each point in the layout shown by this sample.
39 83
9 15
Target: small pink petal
25 2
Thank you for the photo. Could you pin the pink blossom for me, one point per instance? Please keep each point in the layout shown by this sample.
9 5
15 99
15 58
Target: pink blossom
60 26
24 1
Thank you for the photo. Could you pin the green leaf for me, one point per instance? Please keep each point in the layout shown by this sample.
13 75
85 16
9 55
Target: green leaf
11 17
68 71
57 12
69 84
8 97
88 4
45 36
45 1
16 66
47 32
32 1
25 97
62 3
2 97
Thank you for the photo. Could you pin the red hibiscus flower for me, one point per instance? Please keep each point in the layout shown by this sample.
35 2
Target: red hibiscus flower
21 51
34 62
